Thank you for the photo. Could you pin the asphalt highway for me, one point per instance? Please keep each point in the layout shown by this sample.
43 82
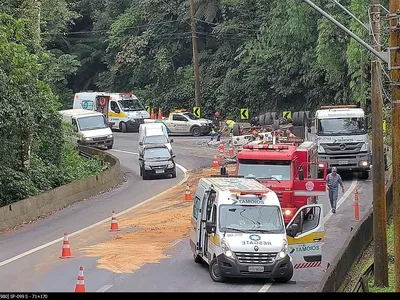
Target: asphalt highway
29 260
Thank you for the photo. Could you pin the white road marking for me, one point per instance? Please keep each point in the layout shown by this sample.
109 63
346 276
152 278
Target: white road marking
353 184
10 260
265 287
104 288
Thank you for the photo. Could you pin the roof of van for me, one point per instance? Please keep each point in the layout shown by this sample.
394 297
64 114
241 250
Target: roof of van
236 183
79 112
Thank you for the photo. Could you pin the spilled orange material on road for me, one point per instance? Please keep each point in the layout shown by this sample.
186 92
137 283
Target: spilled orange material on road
148 232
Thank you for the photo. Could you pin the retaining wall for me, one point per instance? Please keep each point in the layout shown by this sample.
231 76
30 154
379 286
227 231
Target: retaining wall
49 201
352 249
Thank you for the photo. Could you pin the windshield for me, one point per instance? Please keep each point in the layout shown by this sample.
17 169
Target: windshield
246 218
131 105
191 116
341 126
92 122
265 169
156 139
157 153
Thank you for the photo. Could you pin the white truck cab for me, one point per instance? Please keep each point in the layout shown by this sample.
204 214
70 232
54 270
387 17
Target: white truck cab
237 228
342 136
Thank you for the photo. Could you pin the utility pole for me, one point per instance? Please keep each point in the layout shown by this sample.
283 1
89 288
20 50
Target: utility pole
378 174
195 55
394 69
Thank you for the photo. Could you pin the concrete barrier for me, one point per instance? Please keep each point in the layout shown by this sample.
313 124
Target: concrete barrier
353 248
49 201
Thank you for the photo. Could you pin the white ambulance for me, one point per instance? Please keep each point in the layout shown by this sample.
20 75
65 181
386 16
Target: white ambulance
237 228
123 111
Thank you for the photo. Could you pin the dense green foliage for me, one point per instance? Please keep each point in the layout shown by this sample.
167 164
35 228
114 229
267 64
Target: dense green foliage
261 54
36 152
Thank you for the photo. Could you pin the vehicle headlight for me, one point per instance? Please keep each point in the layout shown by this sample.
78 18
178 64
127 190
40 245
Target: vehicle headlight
147 166
226 249
87 139
110 136
203 124
321 149
170 165
364 147
284 250
132 118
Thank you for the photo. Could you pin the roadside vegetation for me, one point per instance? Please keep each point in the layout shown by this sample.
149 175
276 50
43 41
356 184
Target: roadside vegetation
391 287
36 153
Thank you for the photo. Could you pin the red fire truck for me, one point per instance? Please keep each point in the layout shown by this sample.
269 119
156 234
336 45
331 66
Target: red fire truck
289 167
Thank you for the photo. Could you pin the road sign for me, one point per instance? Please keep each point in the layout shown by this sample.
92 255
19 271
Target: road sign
197 111
287 114
244 113
384 126
148 109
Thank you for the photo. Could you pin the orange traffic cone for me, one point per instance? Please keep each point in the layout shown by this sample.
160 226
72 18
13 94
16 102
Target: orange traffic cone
66 250
114 224
215 164
231 152
159 114
188 195
221 147
152 115
80 283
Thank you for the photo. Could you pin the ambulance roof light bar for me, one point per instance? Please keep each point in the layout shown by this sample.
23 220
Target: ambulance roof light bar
249 192
338 106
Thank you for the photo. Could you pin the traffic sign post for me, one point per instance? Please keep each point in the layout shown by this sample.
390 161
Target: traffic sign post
287 114
244 113
197 111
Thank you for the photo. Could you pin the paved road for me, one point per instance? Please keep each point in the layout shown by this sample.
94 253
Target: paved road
43 271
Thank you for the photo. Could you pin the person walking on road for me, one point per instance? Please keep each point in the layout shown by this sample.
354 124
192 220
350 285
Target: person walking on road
333 180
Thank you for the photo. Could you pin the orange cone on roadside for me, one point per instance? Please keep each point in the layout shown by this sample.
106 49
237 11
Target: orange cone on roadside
356 207
66 250
152 115
221 147
114 224
159 114
188 195
231 151
215 164
80 283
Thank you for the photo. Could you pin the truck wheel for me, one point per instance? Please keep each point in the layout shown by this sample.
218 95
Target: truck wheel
363 175
195 131
274 115
110 147
236 129
214 271
287 276
197 259
261 120
276 124
268 119
123 127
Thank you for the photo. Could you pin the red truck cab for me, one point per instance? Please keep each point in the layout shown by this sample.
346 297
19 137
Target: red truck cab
289 169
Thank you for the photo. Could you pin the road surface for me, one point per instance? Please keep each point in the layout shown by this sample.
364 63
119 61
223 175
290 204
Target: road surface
29 260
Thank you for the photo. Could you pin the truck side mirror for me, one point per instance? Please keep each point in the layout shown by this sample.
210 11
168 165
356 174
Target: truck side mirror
171 140
301 174
141 143
292 230
210 227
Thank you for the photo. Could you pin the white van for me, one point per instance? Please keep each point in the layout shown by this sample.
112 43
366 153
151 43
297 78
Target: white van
91 125
237 228
154 133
